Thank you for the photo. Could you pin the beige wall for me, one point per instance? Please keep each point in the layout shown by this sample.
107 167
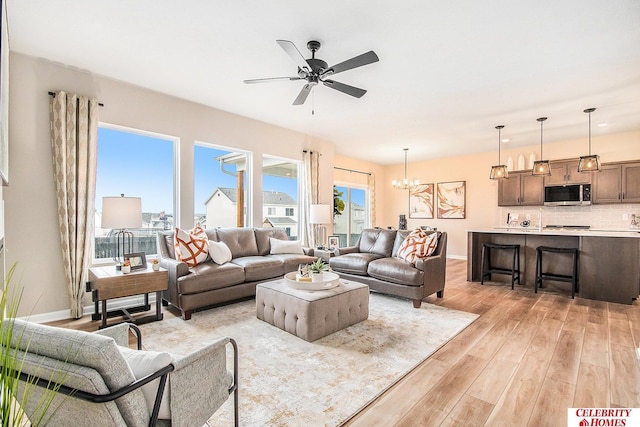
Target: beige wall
482 193
30 205
32 238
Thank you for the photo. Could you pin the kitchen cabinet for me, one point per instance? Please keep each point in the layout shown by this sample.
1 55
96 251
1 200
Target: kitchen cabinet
617 183
566 172
521 189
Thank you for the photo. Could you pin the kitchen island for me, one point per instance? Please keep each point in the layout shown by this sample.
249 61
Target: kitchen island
608 261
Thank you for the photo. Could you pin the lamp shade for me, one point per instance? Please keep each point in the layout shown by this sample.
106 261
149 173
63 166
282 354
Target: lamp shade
499 172
121 212
320 214
590 163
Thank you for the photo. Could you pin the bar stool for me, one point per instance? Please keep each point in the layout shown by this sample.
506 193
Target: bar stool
514 271
541 275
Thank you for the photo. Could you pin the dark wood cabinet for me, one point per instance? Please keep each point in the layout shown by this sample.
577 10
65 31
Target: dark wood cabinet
521 189
631 183
617 183
566 172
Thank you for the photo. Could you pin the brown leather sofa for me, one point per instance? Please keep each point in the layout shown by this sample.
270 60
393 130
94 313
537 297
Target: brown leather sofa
208 283
372 260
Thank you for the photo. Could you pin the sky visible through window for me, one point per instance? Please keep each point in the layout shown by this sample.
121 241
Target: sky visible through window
142 166
137 166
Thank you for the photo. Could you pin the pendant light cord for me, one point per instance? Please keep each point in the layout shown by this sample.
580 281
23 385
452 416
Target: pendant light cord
541 120
405 163
589 111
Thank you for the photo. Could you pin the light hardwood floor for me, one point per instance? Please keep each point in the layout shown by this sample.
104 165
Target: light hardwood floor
523 362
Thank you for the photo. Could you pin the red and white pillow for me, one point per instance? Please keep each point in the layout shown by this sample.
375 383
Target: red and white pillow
191 247
418 244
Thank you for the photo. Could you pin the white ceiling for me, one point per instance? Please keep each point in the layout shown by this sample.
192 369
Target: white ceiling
449 71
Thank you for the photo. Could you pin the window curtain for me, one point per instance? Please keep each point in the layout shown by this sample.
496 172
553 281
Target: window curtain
371 188
310 194
74 141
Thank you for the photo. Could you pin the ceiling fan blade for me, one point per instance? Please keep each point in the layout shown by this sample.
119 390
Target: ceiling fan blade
349 90
355 62
272 79
302 96
294 54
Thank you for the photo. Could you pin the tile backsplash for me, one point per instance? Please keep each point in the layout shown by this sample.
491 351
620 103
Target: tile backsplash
607 217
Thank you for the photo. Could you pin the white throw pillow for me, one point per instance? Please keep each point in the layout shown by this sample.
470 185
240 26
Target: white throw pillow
143 363
285 246
219 252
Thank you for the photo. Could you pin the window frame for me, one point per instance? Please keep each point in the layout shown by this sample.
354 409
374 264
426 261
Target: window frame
175 180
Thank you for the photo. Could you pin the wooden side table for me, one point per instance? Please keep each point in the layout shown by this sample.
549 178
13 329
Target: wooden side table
107 283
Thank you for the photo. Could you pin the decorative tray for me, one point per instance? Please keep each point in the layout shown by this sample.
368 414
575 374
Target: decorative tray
329 281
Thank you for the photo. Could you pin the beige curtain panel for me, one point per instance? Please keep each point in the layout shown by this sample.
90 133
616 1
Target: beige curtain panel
310 193
74 141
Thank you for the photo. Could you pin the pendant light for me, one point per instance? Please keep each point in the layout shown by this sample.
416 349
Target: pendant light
405 184
590 163
499 171
541 167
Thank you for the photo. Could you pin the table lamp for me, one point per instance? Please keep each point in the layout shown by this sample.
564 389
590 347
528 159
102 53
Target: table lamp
318 215
121 213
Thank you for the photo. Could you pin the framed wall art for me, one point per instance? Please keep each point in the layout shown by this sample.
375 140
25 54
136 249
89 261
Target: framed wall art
452 199
4 95
421 201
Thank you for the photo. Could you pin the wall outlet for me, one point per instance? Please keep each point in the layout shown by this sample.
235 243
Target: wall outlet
638 352
625 217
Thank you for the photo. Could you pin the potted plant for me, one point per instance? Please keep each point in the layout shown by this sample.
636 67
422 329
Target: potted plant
126 267
316 269
11 361
155 264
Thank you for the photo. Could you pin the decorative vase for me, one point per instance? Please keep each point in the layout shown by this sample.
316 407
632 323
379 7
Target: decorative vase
156 267
402 222
317 277
126 269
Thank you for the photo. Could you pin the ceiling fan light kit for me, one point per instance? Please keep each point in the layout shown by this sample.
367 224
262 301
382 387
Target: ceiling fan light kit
315 70
541 167
590 163
499 171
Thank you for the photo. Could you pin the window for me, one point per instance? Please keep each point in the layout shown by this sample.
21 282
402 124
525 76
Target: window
137 164
353 220
280 194
220 186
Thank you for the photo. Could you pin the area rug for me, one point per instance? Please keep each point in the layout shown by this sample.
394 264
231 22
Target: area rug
286 381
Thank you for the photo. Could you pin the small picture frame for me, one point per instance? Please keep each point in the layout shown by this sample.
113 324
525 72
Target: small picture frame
334 242
137 260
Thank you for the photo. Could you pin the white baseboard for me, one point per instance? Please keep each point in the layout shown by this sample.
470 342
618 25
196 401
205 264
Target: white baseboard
88 310
463 257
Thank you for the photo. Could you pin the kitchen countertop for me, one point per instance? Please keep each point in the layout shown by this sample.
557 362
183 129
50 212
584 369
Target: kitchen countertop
634 233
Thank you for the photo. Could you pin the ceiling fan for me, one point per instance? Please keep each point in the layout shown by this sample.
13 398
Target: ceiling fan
315 70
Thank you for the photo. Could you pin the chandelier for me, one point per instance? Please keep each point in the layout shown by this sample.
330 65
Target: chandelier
405 184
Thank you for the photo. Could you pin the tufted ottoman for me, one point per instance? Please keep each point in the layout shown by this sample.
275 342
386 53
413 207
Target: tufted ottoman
312 315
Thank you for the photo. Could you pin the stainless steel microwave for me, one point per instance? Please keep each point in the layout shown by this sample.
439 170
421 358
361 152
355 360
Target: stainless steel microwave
567 195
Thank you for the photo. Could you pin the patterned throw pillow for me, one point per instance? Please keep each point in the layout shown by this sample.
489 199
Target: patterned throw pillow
418 244
191 247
